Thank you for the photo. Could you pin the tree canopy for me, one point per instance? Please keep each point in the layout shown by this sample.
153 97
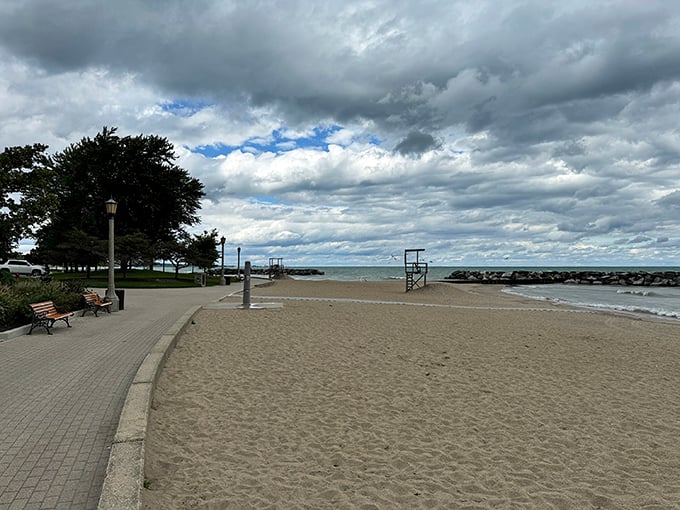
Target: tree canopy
202 250
156 198
26 197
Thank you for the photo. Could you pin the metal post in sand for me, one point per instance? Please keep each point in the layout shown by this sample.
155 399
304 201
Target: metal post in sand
246 285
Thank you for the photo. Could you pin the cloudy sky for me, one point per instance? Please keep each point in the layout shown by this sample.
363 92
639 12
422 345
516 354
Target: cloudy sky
489 132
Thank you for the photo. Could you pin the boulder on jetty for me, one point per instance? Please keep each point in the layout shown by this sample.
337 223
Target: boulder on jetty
524 277
302 272
291 271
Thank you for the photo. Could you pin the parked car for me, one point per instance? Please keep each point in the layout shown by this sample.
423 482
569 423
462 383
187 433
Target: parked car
23 267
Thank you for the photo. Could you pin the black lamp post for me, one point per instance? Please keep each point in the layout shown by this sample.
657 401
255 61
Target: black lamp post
222 280
111 207
238 264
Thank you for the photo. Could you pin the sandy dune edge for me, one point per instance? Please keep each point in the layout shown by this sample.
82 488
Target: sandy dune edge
335 404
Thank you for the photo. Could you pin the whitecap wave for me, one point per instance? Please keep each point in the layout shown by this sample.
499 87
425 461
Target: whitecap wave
636 292
660 302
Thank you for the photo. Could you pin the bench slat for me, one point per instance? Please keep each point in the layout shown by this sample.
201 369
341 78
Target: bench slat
45 315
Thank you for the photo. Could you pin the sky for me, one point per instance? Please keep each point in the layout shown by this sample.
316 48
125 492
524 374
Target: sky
487 132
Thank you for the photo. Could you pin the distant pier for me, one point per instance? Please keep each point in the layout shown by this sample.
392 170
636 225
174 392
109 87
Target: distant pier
290 271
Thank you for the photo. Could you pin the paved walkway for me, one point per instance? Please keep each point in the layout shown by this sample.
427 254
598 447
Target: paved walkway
61 396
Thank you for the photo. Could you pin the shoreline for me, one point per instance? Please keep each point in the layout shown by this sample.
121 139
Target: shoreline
333 403
639 312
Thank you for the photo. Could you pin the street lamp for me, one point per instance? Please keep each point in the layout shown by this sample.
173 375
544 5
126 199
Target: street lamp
111 206
222 280
238 265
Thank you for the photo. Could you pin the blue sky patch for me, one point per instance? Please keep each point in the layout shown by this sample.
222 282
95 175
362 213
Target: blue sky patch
264 199
183 108
278 142
212 151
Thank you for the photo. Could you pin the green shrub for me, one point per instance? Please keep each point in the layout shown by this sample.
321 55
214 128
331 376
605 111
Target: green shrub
7 278
11 309
7 307
74 285
14 299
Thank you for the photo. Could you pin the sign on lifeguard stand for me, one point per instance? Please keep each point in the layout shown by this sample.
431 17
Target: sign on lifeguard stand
416 271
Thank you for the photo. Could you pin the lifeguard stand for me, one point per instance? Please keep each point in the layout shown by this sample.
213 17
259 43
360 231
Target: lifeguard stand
275 269
416 271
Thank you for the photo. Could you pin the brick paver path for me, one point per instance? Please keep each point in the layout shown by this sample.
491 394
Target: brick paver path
61 396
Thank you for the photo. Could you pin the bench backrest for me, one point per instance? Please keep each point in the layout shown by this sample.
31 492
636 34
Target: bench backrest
43 308
93 298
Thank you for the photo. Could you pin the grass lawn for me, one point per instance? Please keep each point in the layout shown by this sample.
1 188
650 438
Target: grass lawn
136 279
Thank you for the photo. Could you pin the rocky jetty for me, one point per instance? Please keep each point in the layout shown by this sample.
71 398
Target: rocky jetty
291 271
302 272
637 278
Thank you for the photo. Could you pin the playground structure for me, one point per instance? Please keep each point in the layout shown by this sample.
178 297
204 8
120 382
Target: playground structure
416 271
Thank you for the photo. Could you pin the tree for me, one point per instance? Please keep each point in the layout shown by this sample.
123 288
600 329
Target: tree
79 249
156 198
26 195
132 249
175 251
202 250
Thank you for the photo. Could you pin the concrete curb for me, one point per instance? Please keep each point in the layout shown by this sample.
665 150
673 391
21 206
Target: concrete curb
13 333
23 330
125 472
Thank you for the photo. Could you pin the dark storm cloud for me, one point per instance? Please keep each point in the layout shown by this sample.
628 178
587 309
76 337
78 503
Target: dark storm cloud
672 200
416 143
492 67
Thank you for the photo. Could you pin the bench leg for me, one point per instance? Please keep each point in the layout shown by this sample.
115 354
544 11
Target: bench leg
39 324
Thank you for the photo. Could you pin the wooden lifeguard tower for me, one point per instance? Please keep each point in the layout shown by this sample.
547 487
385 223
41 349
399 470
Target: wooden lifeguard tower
275 269
416 271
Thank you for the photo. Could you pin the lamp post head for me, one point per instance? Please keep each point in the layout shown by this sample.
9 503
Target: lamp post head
222 241
111 206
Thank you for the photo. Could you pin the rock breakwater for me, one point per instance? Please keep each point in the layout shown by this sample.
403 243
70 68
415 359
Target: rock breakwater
520 277
291 271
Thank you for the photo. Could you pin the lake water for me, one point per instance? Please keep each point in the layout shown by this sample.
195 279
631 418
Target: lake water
659 301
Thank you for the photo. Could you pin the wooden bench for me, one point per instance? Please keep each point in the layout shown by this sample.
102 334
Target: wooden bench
45 315
94 303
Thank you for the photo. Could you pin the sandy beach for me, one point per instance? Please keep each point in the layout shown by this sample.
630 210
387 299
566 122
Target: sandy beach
452 396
